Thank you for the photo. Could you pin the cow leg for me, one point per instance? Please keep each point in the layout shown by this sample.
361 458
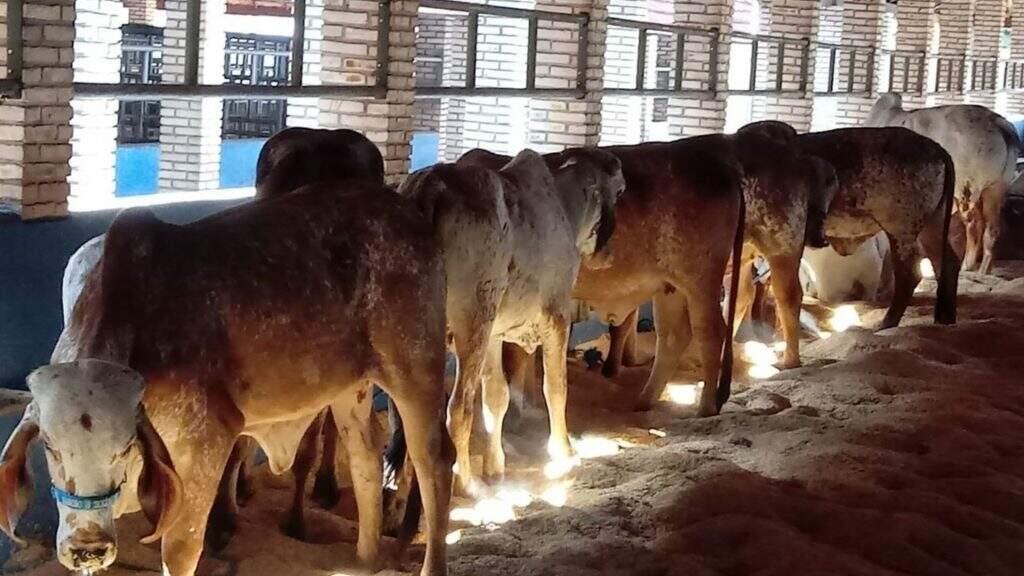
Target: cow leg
789 295
352 415
906 278
495 405
974 233
672 325
294 525
746 291
619 336
200 468
521 373
630 350
991 216
554 343
325 487
224 512
420 400
471 340
933 243
709 331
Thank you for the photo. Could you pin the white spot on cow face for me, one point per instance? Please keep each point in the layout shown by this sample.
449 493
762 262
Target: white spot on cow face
87 422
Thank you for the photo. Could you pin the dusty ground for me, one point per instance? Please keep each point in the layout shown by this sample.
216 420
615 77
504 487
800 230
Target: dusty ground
900 452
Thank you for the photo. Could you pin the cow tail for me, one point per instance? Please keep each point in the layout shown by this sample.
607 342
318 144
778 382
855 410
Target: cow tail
725 372
394 465
945 299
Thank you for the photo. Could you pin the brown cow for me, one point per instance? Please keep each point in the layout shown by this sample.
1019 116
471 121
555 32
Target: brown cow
676 224
251 321
896 181
787 197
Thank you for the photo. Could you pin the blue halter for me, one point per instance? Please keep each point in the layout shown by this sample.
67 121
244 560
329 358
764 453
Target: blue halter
84 502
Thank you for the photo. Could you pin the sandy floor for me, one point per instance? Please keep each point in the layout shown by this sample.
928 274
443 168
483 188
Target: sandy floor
900 452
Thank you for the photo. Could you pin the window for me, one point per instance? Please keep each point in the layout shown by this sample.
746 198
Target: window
141 63
256 61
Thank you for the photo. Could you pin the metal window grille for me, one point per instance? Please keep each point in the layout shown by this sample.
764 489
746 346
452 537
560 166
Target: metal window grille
138 121
255 61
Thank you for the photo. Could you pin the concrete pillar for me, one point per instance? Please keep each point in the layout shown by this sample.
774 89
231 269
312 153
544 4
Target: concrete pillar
954 17
190 130
555 124
863 28
35 131
986 27
704 115
792 19
349 56
306 111
830 30
1015 99
623 118
97 59
452 111
914 34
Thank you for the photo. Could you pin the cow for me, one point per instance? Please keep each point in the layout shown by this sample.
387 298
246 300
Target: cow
289 159
895 181
984 147
678 221
294 304
513 240
787 195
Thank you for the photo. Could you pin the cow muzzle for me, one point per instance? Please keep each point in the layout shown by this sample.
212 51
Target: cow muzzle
599 260
87 552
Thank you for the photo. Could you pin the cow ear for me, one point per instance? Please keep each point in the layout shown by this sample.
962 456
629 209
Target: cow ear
15 483
160 490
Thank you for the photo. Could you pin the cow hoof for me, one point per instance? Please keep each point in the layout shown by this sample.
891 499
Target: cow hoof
325 491
788 364
294 528
706 411
610 369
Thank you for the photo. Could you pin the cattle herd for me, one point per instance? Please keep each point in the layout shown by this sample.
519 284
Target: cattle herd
267 324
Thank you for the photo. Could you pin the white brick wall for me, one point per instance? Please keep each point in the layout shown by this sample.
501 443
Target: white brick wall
914 33
306 111
190 130
695 116
35 132
97 59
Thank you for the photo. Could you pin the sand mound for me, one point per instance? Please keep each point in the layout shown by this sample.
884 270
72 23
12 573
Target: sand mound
899 452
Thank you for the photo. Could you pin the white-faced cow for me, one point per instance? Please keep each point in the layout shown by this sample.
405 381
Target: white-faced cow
249 322
984 147
292 158
513 240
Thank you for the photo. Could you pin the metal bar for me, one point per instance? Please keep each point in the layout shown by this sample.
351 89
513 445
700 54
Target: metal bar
298 41
531 54
763 92
471 40
805 60
680 59
583 53
497 10
439 91
831 69
949 75
15 49
963 71
10 88
384 43
780 68
765 37
192 15
671 29
974 75
906 73
641 58
156 91
713 64
657 92
754 48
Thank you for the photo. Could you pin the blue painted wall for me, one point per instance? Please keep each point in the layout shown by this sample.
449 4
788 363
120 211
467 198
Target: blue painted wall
138 169
424 150
238 162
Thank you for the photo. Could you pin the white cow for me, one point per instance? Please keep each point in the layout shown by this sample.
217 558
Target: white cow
984 147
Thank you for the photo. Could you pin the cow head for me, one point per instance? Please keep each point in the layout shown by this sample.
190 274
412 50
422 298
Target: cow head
886 108
822 185
596 177
90 419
